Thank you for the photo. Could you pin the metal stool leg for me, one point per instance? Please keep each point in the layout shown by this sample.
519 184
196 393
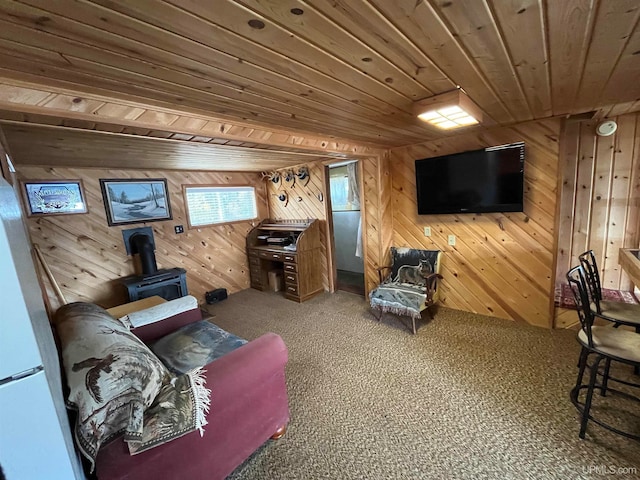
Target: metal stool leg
605 377
587 403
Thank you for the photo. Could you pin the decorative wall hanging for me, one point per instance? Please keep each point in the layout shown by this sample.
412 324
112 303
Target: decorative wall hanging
272 176
283 197
303 174
135 200
53 197
290 178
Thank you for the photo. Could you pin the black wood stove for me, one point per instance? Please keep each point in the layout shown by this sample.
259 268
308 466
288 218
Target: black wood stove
167 283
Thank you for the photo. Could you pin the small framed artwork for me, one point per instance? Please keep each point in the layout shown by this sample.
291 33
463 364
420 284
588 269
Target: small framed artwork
54 197
135 200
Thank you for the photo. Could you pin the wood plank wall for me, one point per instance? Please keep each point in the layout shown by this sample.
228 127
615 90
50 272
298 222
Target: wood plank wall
600 197
4 164
502 264
378 219
304 201
87 257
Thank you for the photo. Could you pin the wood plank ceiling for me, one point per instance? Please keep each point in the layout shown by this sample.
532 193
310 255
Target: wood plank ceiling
342 68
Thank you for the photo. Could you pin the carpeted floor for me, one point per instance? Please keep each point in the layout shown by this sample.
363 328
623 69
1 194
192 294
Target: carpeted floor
468 397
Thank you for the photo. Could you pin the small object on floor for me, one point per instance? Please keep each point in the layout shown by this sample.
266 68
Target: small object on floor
215 296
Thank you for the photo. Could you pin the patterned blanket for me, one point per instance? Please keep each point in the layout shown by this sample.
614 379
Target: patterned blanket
118 386
195 345
180 408
399 298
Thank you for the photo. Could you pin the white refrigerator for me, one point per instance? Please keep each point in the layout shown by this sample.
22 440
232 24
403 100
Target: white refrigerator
35 436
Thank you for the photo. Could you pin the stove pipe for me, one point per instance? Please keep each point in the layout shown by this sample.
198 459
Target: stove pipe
143 246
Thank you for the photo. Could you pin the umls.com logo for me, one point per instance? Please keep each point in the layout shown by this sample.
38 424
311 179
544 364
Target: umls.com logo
609 470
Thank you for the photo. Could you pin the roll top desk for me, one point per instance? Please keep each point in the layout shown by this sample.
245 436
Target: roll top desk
292 246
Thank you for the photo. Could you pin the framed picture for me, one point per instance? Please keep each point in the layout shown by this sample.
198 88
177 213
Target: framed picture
135 200
54 197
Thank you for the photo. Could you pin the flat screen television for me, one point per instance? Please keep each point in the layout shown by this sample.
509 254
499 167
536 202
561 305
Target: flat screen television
478 181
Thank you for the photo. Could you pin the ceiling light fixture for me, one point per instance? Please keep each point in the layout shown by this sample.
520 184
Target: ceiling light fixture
448 110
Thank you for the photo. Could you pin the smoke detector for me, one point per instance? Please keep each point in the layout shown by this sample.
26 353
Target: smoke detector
606 128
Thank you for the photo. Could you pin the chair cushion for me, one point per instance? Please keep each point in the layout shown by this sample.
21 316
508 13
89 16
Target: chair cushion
194 345
399 298
112 376
614 342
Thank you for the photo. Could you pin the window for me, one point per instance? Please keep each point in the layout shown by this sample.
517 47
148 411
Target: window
344 186
208 205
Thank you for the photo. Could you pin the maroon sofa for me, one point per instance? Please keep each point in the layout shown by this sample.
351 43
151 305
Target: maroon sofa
249 405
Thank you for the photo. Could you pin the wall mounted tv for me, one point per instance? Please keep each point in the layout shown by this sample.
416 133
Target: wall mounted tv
478 181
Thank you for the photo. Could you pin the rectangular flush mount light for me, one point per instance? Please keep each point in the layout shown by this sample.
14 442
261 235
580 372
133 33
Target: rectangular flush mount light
448 110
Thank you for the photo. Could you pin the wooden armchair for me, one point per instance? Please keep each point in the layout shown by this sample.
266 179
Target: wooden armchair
410 287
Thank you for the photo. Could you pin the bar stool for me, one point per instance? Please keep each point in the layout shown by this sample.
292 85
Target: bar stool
619 313
600 343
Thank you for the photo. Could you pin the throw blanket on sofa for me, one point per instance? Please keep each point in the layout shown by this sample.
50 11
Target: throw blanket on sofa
399 298
114 379
180 408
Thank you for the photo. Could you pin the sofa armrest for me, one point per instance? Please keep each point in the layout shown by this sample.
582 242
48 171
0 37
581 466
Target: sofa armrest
249 404
153 331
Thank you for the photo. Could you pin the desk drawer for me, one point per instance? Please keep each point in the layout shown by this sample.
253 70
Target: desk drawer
291 278
290 267
254 261
255 272
287 257
292 289
272 256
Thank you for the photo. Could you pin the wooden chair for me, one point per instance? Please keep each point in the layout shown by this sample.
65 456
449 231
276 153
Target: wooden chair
411 285
601 343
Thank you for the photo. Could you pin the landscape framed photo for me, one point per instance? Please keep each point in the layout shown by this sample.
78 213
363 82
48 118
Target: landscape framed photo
135 200
54 197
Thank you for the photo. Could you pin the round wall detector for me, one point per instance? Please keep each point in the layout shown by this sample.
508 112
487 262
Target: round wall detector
606 128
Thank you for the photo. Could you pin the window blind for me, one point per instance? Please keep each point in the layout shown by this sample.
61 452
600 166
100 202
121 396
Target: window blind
211 205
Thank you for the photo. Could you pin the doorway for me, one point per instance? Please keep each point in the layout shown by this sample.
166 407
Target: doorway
346 220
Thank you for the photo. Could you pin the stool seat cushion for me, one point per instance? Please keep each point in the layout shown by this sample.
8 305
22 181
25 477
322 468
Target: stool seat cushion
613 342
625 312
